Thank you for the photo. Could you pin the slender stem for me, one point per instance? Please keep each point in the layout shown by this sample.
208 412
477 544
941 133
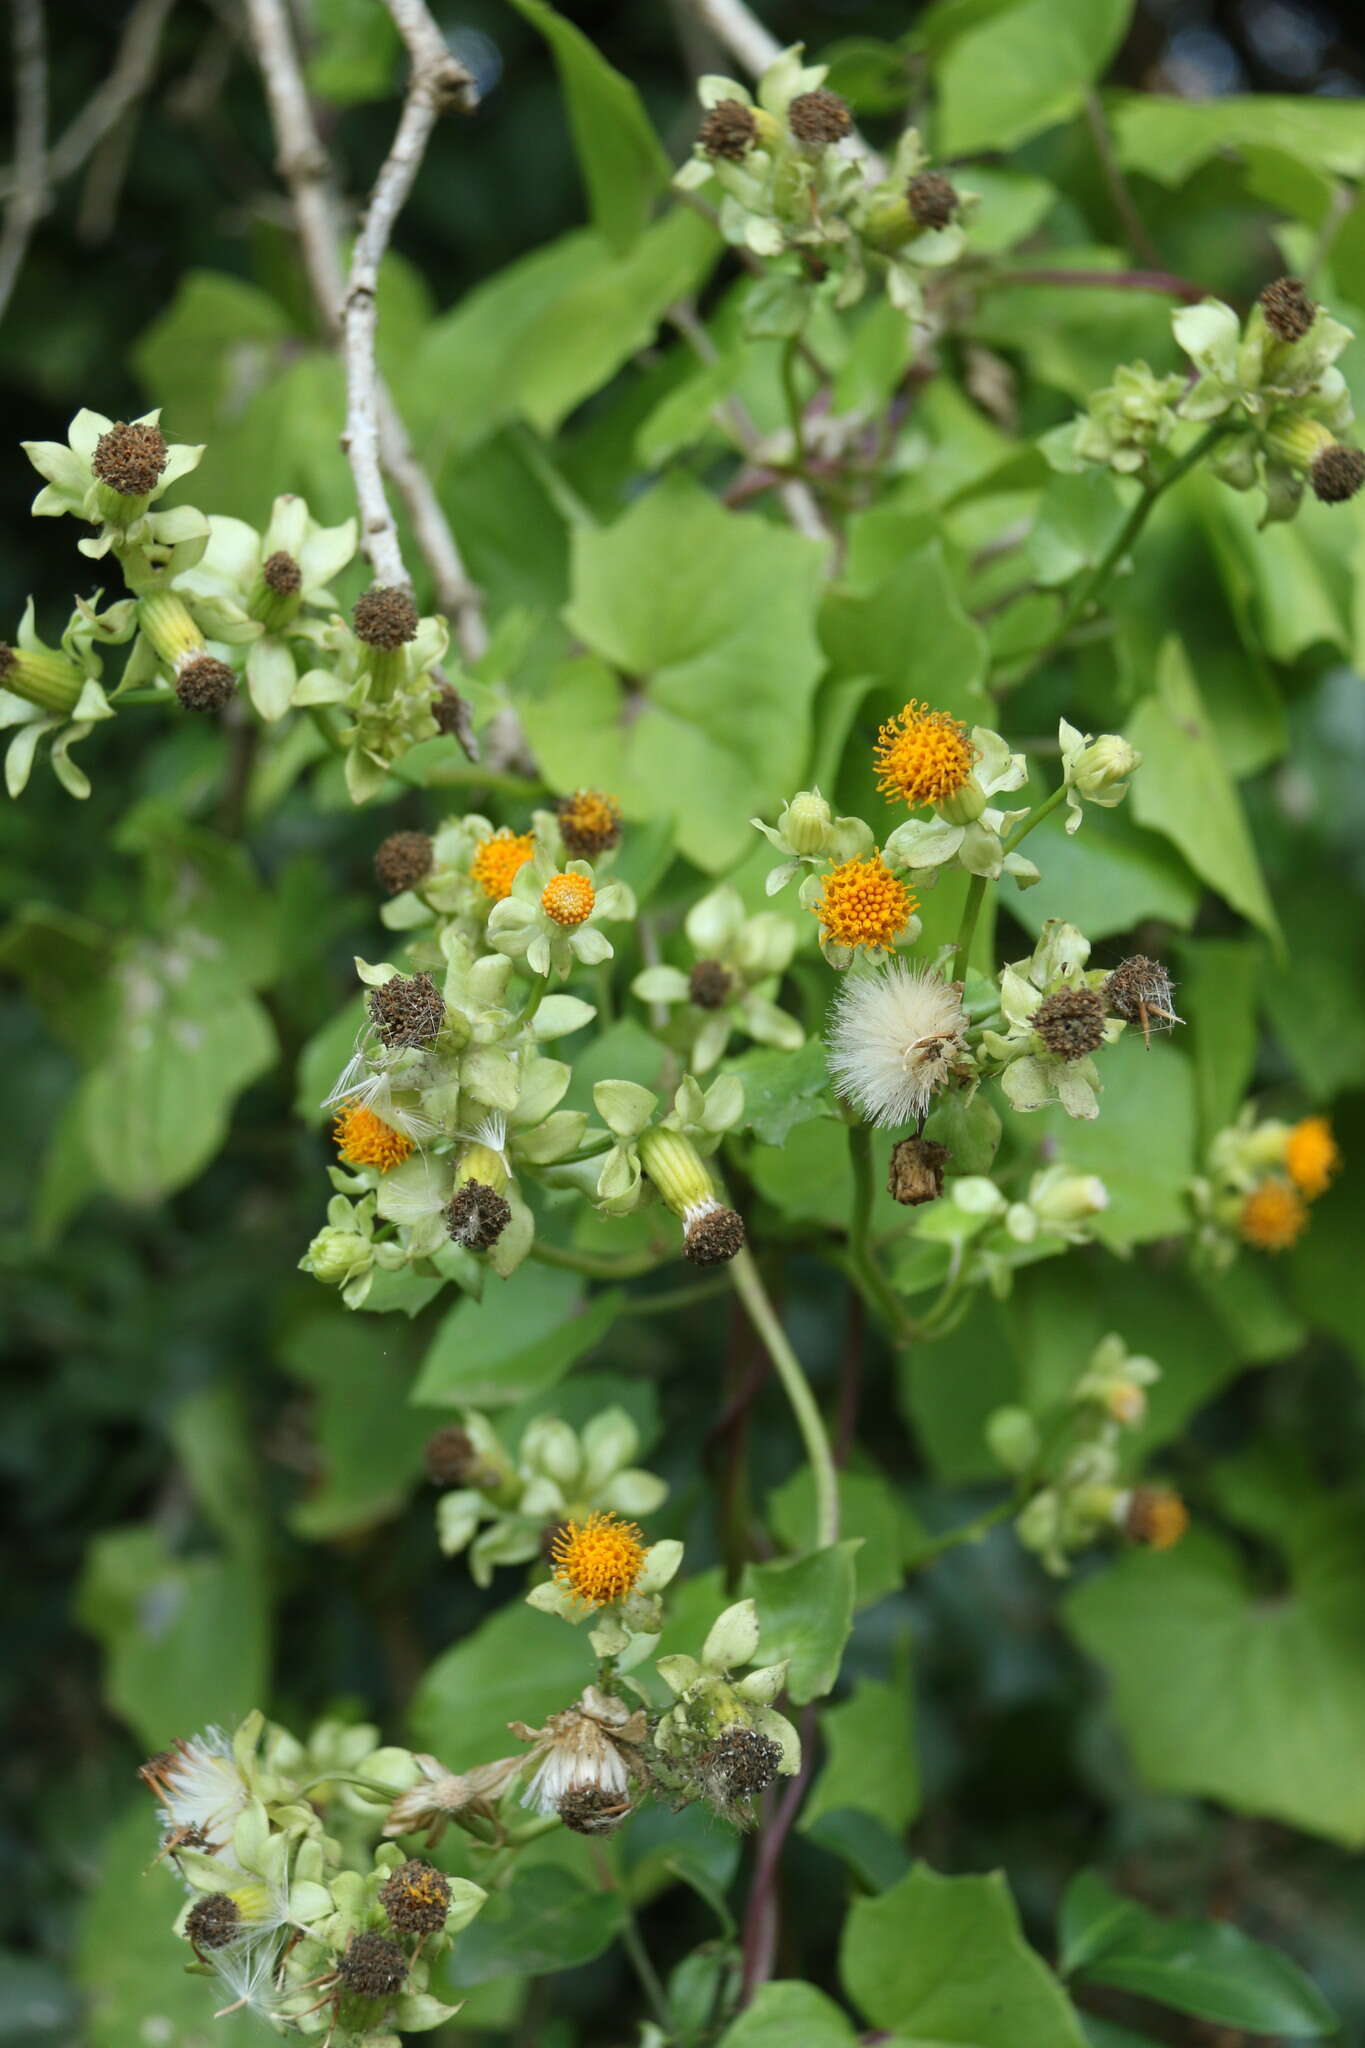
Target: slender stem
595 1266
969 1532
760 1915
1125 206
796 411
673 1298
866 1274
1035 817
966 931
761 1313
1164 281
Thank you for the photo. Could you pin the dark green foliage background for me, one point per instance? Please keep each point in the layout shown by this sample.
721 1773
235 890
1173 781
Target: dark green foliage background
203 1454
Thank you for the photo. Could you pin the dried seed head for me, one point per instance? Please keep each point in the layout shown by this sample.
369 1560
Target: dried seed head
130 459
592 1809
385 617
8 659
1139 991
1337 474
282 573
408 1010
402 861
932 199
416 1898
212 1921
729 130
740 1763
476 1216
917 1171
447 708
204 683
1071 1022
451 1459
1157 1518
709 984
1289 312
372 1966
714 1237
819 117
589 823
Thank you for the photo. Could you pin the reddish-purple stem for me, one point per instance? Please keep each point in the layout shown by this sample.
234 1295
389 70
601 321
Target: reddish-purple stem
760 1915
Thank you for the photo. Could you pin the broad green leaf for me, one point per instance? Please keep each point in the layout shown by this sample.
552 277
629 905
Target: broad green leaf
1261 1704
62 961
203 895
621 158
782 1089
784 2014
869 1508
368 1439
1071 337
1217 998
1183 790
877 1858
1167 139
809 1175
805 1611
213 1442
1023 70
710 617
871 1763
947 1389
1314 996
520 1339
545 1920
912 637
942 1960
1203 1967
1142 1142
516 1666
1106 878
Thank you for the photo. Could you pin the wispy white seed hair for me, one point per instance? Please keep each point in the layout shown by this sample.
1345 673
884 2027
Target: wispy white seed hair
893 1036
578 1757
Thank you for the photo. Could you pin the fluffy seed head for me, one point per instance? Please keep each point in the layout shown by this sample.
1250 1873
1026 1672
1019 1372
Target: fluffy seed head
709 984
863 904
1071 1022
416 1898
1273 1216
364 1139
592 1809
499 861
1156 1518
408 1010
1337 474
204 683
402 861
923 756
568 899
819 117
599 1560
281 573
1312 1156
372 1966
130 459
713 1237
893 1038
1139 990
589 823
477 1215
212 1921
729 130
385 616
740 1763
917 1171
1289 312
932 199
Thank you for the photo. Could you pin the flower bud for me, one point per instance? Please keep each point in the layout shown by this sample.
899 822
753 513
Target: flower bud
1070 1199
1100 771
1012 1436
677 1169
40 677
170 625
807 823
336 1255
965 805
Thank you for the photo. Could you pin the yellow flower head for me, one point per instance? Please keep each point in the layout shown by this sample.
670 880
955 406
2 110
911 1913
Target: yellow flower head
1311 1156
1157 1518
589 823
496 864
1273 1216
364 1139
568 899
923 756
599 1560
862 904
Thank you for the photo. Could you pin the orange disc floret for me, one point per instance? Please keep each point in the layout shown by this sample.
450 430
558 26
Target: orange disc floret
1273 1216
568 899
923 756
862 904
1311 1156
364 1139
1157 1518
599 1560
589 823
498 862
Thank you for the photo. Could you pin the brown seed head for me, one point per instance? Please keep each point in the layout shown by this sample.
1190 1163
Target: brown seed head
476 1216
1337 474
714 1238
1289 312
451 1459
372 1966
592 1810
402 861
740 1762
130 459
819 117
1157 1518
408 1010
1071 1022
709 984
729 130
932 199
212 1921
589 823
1139 990
282 573
416 1898
385 617
204 683
917 1171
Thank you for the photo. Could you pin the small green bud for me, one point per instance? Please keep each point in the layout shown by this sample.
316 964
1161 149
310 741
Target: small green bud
965 806
170 625
1101 770
336 1256
677 1170
807 822
42 678
1012 1436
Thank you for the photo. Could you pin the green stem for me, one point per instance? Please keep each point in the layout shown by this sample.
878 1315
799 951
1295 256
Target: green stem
970 1532
1035 817
758 1307
594 1265
318 714
671 1298
966 931
864 1271
795 410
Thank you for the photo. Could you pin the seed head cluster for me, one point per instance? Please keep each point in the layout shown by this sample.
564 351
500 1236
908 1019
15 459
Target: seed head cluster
477 1215
729 130
932 199
451 1458
385 617
740 1763
1071 1022
1156 1518
204 683
402 861
448 710
372 1966
1139 991
819 118
1337 474
592 1809
713 1238
1289 312
708 984
212 1921
130 459
282 573
416 1898
407 1010
916 1174
893 1038
589 823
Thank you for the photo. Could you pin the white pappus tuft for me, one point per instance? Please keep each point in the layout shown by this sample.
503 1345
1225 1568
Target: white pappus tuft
893 1037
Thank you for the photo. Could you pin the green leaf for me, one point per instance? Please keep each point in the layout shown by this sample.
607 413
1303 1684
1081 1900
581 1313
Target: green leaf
1261 1704
516 1666
355 49
874 1855
783 2015
942 1960
1167 139
869 1508
1024 69
1106 878
1183 790
520 1339
782 1089
1203 1967
203 894
545 1920
872 1764
805 1612
721 655
911 636
1217 999
621 158
62 961
1142 1142
369 1440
